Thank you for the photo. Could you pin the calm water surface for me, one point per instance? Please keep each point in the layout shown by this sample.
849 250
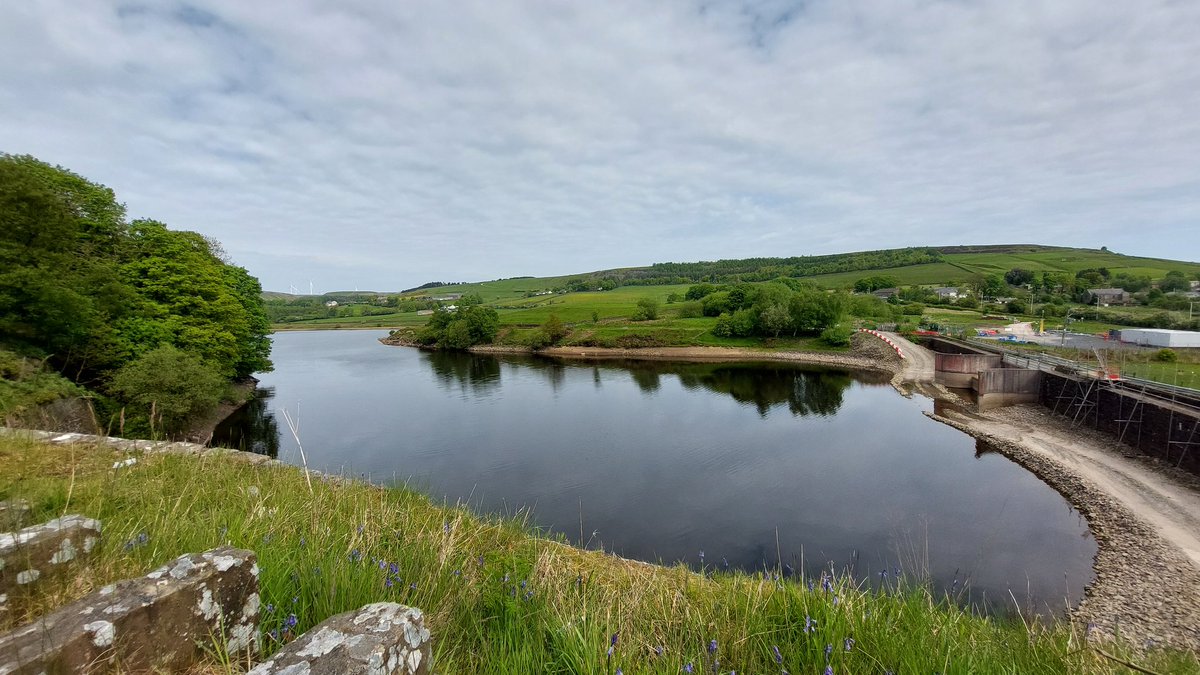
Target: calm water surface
752 464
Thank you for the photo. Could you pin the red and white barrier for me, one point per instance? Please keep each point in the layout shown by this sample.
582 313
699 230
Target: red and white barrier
885 338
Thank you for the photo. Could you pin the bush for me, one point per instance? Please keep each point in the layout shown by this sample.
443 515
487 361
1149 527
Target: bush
647 310
691 310
554 330
1165 356
837 336
913 309
173 384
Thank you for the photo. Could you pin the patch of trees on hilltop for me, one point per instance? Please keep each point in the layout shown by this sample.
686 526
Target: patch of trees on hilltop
147 317
767 269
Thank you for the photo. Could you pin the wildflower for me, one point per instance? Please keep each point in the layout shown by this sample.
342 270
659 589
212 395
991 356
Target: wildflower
620 672
522 583
712 646
383 564
412 587
360 529
393 568
778 656
828 651
828 670
388 582
701 556
295 599
687 667
849 643
291 621
446 526
835 601
529 595
270 608
809 624
274 633
303 541
355 555
810 585
505 579
458 573
658 650
612 641
480 561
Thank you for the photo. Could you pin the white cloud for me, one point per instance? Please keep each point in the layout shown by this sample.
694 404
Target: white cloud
386 144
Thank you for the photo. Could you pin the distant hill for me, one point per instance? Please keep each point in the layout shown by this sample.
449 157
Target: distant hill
941 265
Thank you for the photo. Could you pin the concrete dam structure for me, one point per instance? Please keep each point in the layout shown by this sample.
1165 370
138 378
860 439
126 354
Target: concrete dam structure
1159 420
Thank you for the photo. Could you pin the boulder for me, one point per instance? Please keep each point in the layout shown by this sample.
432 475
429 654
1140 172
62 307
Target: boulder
41 551
381 639
165 621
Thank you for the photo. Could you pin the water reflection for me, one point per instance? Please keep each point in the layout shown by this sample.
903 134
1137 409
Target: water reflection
251 428
477 373
759 465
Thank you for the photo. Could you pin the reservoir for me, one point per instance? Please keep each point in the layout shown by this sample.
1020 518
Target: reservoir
761 466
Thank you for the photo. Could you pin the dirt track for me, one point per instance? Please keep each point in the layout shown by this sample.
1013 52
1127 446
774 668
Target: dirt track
1145 517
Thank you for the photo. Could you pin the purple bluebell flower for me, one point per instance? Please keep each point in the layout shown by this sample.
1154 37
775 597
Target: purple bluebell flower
388 582
393 568
712 646
658 650
687 667
828 651
809 624
270 608
778 656
291 621
446 526
828 670
848 643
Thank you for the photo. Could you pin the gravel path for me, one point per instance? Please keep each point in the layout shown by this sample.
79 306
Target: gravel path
1145 517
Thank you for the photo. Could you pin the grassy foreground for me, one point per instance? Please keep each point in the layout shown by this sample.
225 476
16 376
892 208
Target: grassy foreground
497 597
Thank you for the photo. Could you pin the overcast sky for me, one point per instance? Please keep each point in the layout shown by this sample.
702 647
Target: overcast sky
387 143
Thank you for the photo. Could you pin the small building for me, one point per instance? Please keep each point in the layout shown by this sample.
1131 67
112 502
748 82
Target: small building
1107 296
946 293
447 297
1159 337
331 303
886 293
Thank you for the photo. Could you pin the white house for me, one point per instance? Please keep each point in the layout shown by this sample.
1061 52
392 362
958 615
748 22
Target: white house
946 293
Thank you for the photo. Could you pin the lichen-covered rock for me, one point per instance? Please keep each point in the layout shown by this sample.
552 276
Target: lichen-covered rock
379 639
165 621
40 551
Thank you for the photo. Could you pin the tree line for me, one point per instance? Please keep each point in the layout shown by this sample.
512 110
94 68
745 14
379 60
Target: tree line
147 317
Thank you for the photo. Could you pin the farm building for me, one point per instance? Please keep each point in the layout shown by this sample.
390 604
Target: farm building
1160 337
1107 296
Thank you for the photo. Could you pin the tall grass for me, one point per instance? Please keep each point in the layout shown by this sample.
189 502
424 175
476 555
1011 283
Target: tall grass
497 597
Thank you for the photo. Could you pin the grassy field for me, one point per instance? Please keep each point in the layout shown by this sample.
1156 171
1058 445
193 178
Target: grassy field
498 597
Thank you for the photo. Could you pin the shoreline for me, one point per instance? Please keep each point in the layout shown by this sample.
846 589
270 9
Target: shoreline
1146 586
864 354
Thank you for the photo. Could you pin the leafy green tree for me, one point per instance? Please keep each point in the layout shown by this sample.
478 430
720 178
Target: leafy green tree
554 330
170 385
715 304
647 310
699 291
1174 281
1018 277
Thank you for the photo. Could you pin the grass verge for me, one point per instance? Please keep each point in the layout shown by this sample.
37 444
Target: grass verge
498 597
